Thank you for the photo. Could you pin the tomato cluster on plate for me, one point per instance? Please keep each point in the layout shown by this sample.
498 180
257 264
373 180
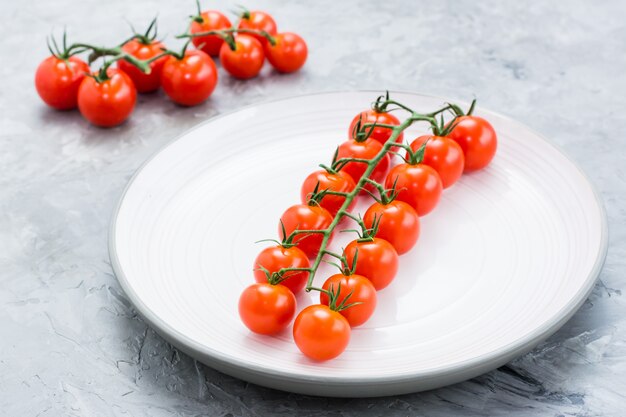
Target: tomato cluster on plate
363 167
106 97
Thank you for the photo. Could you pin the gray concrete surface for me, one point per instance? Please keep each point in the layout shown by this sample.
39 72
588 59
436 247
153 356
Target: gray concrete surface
72 345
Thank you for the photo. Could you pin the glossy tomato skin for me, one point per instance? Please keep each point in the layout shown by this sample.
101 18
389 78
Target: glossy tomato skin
246 60
306 217
418 185
191 80
57 83
340 182
278 257
320 333
444 155
144 83
380 134
258 20
289 54
267 309
107 103
377 261
478 140
399 224
211 20
367 149
361 291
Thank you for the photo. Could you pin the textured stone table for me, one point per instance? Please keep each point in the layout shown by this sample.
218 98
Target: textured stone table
72 345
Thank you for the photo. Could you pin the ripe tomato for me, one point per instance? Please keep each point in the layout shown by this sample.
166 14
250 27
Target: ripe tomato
191 80
362 291
478 140
107 103
266 308
257 20
306 217
321 333
367 149
418 185
211 20
444 155
288 54
340 182
377 260
398 224
278 257
246 60
380 134
57 82
144 83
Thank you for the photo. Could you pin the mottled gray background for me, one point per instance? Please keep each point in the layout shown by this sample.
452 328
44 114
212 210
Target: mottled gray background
70 343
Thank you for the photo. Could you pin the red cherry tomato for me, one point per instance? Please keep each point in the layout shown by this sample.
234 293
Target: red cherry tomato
380 134
398 224
144 83
278 257
57 82
367 149
107 103
377 260
321 333
444 155
266 308
257 20
478 140
340 182
288 54
306 217
211 20
191 80
246 60
361 291
418 185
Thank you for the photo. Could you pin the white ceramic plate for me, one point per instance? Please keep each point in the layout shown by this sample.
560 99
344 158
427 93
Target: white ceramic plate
506 258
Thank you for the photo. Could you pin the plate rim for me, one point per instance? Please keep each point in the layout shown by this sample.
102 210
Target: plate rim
495 357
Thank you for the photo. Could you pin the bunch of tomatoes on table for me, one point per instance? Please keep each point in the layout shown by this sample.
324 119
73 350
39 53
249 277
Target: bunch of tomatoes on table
106 97
362 167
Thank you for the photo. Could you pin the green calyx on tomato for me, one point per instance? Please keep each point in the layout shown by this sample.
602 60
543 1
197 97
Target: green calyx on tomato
334 296
414 157
147 37
198 17
64 52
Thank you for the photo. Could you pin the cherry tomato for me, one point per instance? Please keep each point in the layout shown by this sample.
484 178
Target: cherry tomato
211 20
340 182
380 134
398 224
266 308
191 80
377 260
306 217
288 54
278 257
444 155
107 103
418 185
367 149
57 82
478 140
321 333
257 20
246 60
144 83
361 291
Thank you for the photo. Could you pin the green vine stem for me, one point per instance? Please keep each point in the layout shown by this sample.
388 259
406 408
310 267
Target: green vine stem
365 179
227 35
